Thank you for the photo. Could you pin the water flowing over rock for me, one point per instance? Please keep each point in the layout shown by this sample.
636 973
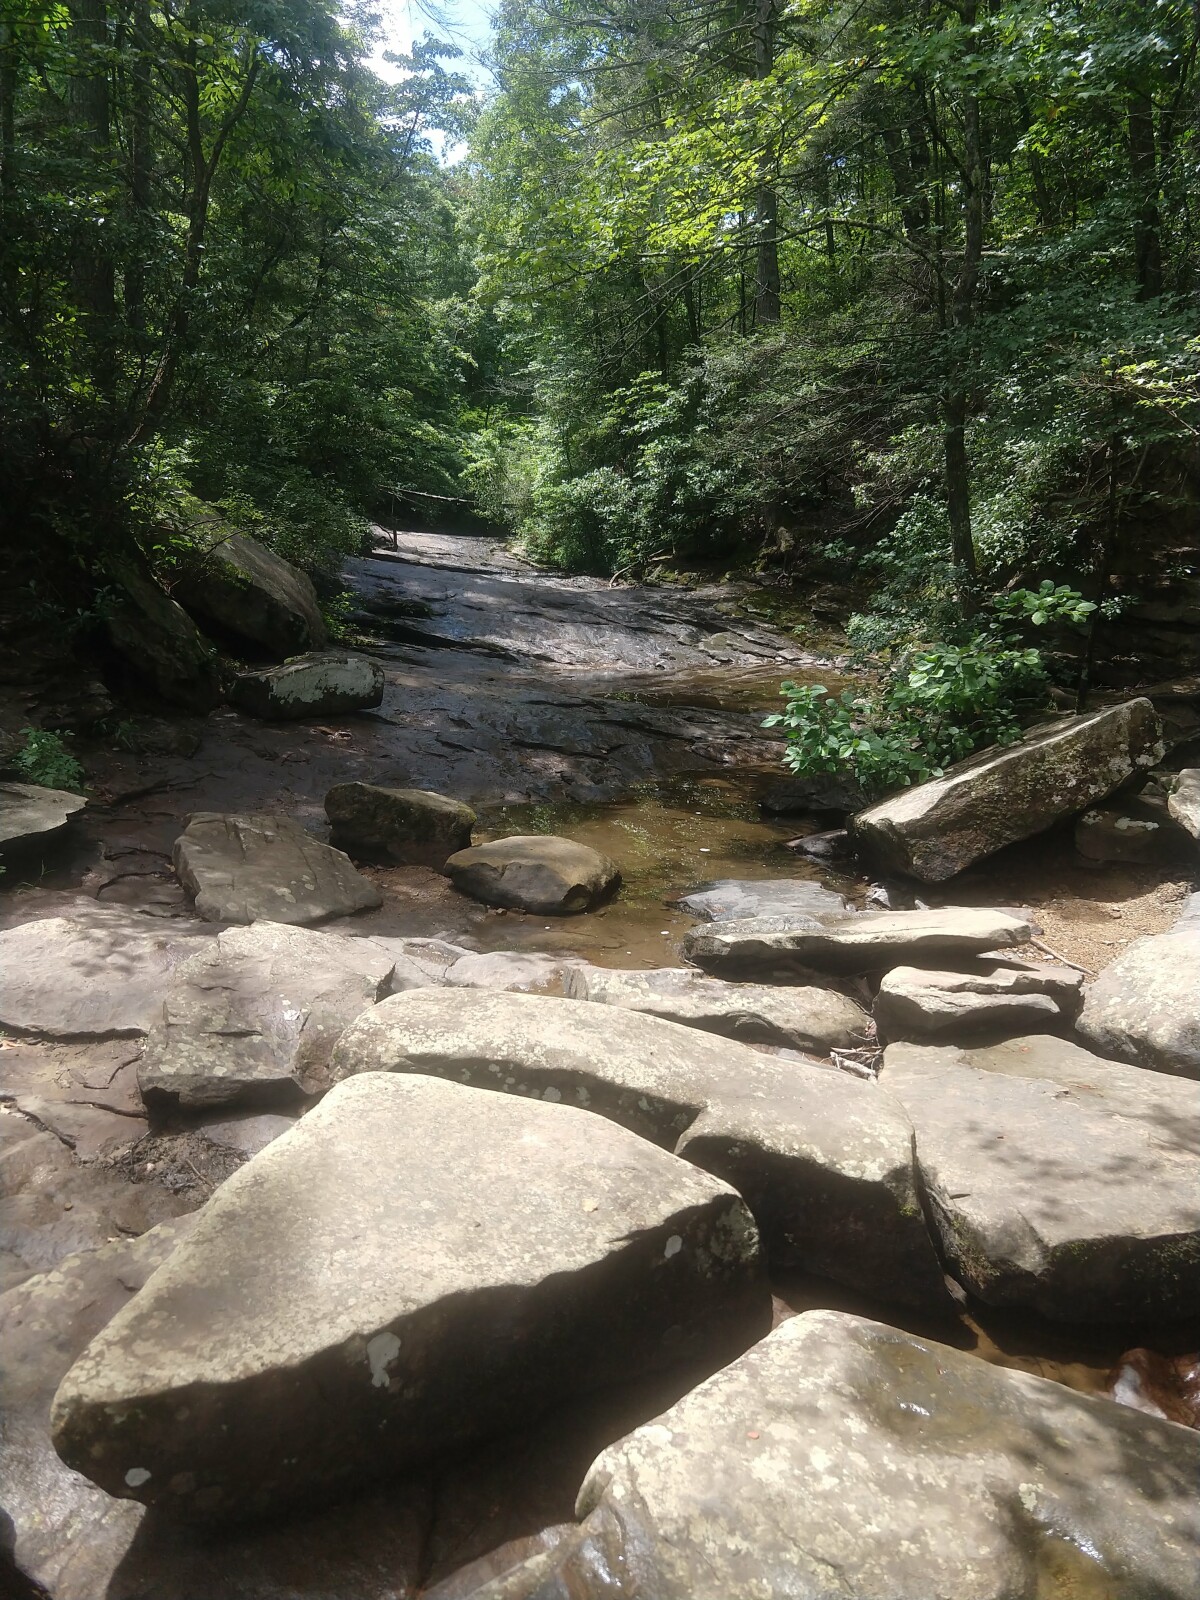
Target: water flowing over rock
248 591
799 1018
320 685
828 1158
1001 795
256 1015
844 1460
28 812
1145 1006
328 1320
535 872
1058 1181
398 825
266 869
1026 998
737 898
98 972
1184 801
789 949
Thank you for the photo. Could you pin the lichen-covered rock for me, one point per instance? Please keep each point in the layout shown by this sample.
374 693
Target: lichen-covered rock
101 971
28 812
534 872
414 1265
791 949
1184 801
1145 1006
266 869
1028 997
256 1015
320 685
844 1460
406 826
797 1017
828 1158
247 591
1058 1181
994 798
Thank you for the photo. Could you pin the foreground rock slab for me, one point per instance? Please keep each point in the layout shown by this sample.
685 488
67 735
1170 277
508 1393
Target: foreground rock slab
247 590
321 685
266 869
1058 1181
786 949
825 1160
327 1319
256 1015
405 826
738 898
534 872
1145 1007
799 1018
28 812
999 796
916 1004
843 1460
102 971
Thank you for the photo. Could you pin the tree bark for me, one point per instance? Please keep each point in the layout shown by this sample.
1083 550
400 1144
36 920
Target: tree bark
1147 222
767 295
89 102
140 159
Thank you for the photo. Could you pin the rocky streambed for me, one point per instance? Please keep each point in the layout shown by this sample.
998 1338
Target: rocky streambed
367 1237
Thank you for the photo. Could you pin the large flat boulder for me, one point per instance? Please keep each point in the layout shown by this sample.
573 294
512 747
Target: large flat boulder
160 641
248 592
255 1016
737 898
266 869
535 872
787 949
28 813
994 798
1145 1006
844 1460
415 1265
404 826
99 972
319 685
828 1157
798 1018
1058 1181
1027 997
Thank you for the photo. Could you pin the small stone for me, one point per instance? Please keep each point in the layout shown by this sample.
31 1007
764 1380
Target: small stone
404 826
318 685
536 872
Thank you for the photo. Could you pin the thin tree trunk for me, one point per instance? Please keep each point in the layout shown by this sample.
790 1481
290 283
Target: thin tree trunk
767 297
140 158
90 109
1147 223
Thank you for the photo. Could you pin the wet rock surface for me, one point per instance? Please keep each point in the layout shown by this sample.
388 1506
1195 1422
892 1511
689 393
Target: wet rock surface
538 872
317 685
936 829
735 899
322 1324
829 1158
1057 1180
1145 1007
256 1015
1030 997
798 1018
266 869
843 1458
408 826
784 949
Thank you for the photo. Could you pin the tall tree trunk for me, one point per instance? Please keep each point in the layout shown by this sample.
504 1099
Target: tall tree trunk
90 110
766 297
140 159
1147 223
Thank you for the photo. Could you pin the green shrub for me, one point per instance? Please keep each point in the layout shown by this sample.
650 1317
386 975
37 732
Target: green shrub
45 760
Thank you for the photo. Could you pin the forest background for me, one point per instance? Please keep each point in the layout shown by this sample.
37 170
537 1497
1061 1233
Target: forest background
830 289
